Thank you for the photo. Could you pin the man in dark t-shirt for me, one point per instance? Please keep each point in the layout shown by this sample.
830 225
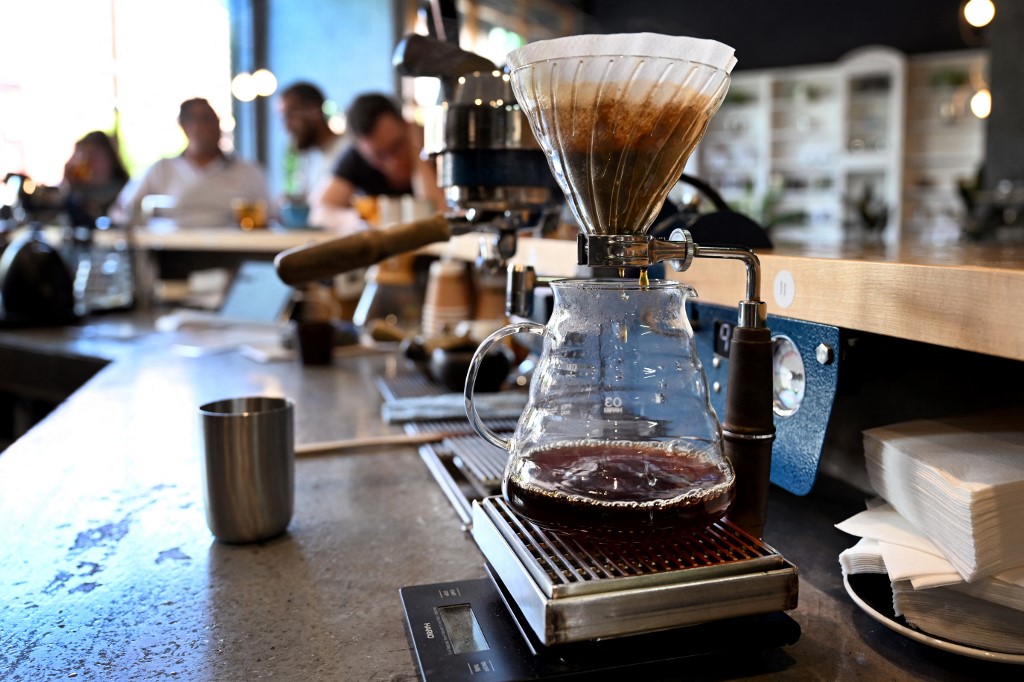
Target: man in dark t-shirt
352 167
383 158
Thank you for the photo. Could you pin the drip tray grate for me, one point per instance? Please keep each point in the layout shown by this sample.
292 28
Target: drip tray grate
571 587
565 563
460 426
481 460
407 386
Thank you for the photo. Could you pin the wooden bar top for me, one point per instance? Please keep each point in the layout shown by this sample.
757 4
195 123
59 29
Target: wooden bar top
230 239
962 296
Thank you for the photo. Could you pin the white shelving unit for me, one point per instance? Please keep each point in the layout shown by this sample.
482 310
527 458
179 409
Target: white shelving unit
818 152
805 150
945 142
871 164
736 144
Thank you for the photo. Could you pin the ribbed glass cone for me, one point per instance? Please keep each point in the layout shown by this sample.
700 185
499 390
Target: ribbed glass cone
618 130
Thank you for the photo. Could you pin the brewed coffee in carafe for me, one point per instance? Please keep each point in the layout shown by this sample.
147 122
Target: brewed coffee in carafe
618 433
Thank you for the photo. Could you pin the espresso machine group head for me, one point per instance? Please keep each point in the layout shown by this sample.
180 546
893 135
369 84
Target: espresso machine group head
493 172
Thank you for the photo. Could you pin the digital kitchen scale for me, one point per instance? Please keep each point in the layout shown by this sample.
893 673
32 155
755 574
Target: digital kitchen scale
465 630
559 606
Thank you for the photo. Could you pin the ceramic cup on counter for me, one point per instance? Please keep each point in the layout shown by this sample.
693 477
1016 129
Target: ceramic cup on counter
248 467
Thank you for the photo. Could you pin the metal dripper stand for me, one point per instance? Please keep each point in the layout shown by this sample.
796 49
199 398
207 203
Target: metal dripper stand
566 588
617 117
748 428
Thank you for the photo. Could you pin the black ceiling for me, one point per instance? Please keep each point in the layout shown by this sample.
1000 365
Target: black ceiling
771 33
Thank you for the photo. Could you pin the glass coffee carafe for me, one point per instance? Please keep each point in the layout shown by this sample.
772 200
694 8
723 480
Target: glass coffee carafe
618 433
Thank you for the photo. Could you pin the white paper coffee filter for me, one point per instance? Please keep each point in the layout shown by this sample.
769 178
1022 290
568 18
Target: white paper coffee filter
700 50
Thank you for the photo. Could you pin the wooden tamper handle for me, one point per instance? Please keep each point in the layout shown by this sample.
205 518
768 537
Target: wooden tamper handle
303 264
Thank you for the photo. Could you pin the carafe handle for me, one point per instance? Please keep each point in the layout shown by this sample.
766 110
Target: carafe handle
474 367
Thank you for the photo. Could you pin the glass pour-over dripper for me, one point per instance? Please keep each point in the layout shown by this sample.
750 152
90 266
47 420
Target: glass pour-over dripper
618 117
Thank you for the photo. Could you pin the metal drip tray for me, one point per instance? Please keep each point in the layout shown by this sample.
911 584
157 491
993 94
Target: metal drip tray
480 460
570 588
461 426
467 467
407 386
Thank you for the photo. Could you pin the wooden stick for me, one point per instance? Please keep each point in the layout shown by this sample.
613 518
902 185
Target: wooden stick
326 447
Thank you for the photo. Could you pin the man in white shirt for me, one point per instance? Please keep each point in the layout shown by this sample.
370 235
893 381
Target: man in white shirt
203 182
317 146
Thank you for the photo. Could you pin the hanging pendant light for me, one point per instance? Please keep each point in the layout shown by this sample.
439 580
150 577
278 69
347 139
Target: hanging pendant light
979 13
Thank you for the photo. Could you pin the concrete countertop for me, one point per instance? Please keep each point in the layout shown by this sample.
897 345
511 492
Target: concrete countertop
109 572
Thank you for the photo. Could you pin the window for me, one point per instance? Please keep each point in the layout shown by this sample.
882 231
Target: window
122 66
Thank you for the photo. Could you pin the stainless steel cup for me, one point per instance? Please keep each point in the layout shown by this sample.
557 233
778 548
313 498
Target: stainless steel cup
249 467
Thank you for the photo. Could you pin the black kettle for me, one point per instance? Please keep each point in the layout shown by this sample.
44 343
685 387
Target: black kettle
36 287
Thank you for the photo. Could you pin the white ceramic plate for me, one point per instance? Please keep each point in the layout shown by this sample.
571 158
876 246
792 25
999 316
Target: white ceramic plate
917 636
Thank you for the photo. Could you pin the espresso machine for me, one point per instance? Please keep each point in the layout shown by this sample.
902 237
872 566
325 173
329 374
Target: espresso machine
559 602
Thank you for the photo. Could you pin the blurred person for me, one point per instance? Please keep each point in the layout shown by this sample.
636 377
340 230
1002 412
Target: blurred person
383 158
93 178
203 182
317 147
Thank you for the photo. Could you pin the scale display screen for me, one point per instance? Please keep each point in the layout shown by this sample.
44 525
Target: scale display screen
463 629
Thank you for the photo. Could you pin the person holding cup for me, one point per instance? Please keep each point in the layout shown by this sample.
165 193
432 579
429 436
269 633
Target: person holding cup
93 178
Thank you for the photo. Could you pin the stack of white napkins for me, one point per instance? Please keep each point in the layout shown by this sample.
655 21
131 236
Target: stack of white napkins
950 530
960 481
932 597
